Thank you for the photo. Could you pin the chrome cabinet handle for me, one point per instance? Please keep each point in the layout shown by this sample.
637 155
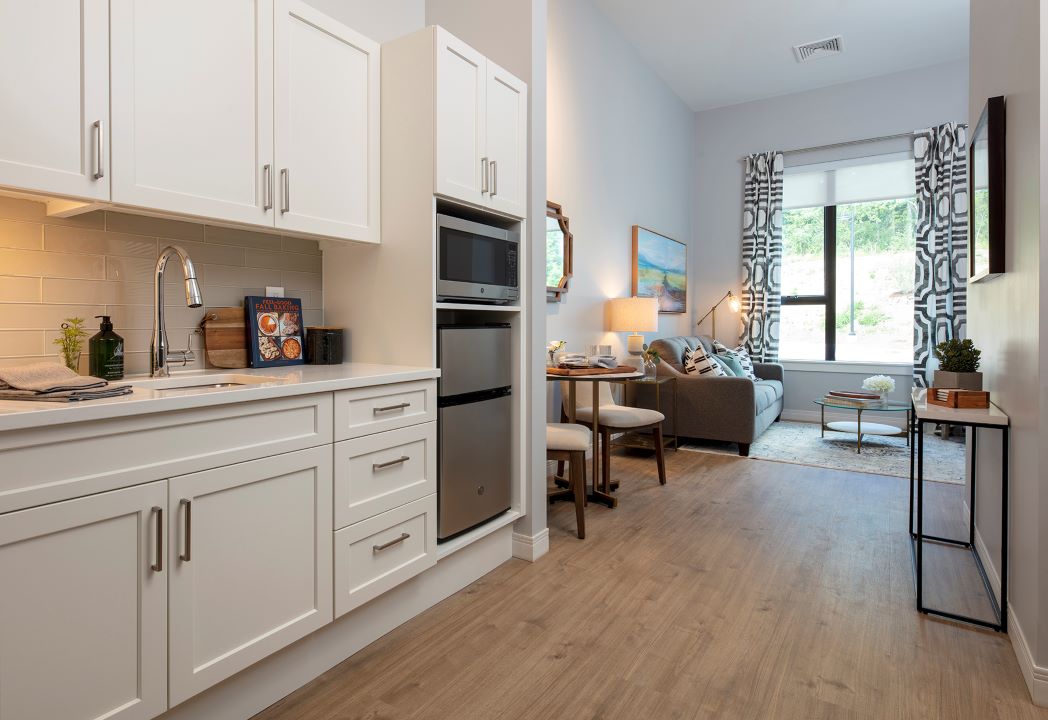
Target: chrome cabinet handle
187 509
390 408
391 543
267 187
158 566
494 178
100 170
286 183
483 176
382 466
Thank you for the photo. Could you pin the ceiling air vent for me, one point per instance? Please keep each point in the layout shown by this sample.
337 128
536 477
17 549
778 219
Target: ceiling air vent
818 49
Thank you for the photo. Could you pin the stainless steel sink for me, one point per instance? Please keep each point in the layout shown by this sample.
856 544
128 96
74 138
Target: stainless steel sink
202 382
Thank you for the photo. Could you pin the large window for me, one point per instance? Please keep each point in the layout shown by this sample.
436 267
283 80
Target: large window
848 263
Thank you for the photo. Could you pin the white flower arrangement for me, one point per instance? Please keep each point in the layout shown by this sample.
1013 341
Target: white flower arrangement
880 384
552 347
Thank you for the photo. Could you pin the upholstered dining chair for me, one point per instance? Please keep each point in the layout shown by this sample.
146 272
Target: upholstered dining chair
615 418
568 442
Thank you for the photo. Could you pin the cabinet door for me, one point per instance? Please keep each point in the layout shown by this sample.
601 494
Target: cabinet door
250 556
83 623
507 141
54 85
460 117
192 107
327 126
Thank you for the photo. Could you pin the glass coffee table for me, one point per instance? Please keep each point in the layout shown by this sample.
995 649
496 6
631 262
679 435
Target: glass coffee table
859 428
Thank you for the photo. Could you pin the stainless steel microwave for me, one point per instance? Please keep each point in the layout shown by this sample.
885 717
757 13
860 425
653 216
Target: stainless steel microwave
476 262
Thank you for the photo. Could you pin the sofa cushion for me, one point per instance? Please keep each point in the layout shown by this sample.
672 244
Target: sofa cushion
701 363
764 395
740 354
725 365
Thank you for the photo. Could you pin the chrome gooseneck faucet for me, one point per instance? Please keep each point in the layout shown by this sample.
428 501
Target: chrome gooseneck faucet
159 354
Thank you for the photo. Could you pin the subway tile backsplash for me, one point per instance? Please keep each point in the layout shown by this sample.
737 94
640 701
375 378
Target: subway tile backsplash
102 263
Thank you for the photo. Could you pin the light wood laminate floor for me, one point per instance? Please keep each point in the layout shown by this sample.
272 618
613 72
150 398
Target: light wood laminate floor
742 589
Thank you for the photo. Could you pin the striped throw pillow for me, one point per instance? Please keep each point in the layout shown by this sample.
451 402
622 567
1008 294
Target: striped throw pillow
699 362
740 355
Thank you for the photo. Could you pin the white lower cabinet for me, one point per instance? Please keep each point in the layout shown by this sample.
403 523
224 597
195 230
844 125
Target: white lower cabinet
250 559
377 554
83 609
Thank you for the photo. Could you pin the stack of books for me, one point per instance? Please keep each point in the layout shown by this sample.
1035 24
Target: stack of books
578 360
852 399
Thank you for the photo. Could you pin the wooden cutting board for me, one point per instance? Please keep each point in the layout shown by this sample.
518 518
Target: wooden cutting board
225 337
620 370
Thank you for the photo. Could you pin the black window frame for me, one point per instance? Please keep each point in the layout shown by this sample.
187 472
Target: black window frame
828 298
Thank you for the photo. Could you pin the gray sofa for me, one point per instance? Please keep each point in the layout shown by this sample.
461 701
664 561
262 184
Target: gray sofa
731 409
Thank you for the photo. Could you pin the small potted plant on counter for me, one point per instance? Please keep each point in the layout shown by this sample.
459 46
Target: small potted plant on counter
71 341
958 365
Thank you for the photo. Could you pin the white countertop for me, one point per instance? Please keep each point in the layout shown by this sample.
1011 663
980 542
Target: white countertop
287 381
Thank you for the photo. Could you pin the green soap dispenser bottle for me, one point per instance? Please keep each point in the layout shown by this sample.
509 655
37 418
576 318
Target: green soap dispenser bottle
106 350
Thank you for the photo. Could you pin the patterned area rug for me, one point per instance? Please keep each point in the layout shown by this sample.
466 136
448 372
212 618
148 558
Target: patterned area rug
800 443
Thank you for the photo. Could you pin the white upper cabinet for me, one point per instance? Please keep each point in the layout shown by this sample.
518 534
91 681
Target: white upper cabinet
461 167
192 104
251 564
507 141
54 90
83 622
327 126
481 129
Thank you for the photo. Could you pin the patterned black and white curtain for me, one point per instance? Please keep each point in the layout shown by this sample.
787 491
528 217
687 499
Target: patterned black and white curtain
940 280
762 255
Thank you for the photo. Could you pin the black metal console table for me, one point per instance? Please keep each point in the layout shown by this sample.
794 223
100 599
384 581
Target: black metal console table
992 419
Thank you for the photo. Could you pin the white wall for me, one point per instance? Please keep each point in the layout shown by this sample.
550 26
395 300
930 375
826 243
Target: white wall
619 154
864 109
1004 320
380 21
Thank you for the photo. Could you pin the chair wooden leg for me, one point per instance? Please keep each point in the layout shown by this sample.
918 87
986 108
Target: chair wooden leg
659 458
578 485
605 459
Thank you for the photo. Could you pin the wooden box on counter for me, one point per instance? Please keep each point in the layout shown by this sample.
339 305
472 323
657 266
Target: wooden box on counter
957 398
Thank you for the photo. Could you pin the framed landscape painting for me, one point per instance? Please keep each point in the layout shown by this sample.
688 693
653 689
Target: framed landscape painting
660 269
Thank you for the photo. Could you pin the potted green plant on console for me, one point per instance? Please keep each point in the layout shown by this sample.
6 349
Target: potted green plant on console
958 365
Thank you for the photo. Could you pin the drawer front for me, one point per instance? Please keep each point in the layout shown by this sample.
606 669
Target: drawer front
363 411
376 555
380 472
126 451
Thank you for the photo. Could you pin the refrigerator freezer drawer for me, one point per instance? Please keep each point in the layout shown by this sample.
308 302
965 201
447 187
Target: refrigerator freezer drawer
475 464
473 359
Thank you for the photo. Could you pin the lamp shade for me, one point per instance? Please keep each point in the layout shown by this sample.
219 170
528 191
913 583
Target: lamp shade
633 314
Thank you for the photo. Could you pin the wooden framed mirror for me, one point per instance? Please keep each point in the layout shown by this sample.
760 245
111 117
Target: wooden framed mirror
558 252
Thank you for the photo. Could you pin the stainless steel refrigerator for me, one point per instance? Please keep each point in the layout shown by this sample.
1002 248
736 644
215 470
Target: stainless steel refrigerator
475 425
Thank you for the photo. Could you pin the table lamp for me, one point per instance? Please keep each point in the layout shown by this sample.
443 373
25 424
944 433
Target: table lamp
633 315
733 303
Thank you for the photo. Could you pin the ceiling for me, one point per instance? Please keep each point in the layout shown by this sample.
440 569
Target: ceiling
723 52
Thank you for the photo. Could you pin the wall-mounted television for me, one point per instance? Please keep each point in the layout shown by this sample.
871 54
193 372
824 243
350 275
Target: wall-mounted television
986 243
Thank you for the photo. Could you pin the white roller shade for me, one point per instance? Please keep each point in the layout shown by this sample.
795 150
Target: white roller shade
883 177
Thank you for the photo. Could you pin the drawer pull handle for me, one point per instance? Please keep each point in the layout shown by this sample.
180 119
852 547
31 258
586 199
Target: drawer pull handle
390 463
158 566
391 408
187 506
391 543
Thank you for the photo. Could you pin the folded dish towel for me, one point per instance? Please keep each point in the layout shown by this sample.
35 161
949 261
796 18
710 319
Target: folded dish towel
57 383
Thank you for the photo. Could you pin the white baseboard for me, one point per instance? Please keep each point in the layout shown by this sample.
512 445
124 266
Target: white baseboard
1036 677
813 416
531 547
